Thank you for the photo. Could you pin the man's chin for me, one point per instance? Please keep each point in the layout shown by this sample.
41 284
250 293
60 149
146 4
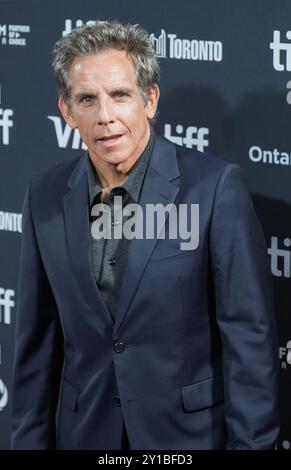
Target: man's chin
124 165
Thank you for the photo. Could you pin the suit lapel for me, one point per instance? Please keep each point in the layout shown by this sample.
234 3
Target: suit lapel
158 188
76 215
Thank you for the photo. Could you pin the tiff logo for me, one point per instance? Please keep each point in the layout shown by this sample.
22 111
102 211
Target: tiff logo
5 122
280 258
282 57
193 136
64 135
281 52
6 304
285 355
69 25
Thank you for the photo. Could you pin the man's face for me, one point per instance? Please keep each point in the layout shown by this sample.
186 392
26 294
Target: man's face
108 108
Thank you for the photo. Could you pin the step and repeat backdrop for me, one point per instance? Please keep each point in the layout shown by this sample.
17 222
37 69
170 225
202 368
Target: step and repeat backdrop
225 89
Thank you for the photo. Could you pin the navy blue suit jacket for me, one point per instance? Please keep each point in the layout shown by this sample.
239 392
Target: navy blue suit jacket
197 365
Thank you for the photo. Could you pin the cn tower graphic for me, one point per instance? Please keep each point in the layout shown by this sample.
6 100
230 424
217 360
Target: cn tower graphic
160 44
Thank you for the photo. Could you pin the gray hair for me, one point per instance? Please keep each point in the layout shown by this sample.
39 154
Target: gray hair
91 39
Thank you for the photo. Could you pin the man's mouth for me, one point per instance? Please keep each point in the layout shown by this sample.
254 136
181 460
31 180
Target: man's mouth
110 139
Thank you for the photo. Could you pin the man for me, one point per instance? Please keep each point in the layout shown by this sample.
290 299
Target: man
138 344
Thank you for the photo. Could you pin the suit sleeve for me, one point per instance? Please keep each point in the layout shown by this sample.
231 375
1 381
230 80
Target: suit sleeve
245 316
38 349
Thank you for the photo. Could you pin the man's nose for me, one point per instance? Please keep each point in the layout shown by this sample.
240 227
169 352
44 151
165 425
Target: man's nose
105 113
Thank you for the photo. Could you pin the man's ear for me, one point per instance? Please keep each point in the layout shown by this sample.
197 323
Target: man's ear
67 113
152 102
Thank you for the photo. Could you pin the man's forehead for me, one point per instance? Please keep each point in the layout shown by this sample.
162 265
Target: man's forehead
108 69
109 59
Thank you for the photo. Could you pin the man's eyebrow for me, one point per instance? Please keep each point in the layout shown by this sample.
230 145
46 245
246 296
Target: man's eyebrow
124 89
79 96
121 88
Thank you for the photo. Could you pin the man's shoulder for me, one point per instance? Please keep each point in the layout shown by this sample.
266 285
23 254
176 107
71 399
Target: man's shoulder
56 177
192 161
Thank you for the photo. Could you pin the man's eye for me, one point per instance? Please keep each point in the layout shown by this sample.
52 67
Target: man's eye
86 100
120 94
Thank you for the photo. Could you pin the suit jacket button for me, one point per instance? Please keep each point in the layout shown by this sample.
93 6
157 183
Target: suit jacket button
119 347
116 401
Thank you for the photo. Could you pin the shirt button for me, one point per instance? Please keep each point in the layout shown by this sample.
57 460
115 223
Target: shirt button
112 261
116 401
115 222
118 347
